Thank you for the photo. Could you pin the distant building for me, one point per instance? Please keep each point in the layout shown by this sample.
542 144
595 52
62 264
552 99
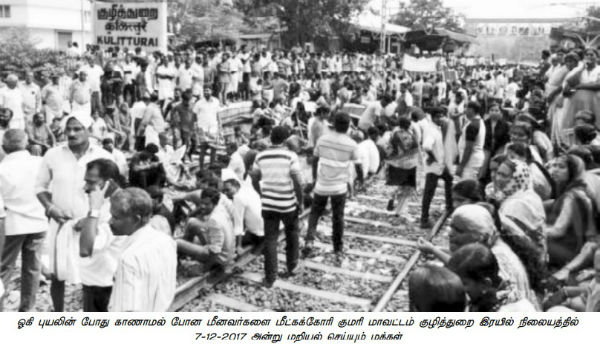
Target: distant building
515 39
52 23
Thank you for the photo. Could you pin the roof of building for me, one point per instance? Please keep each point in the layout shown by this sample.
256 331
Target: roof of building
373 23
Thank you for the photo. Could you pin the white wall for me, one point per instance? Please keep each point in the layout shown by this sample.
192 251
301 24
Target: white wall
45 17
58 14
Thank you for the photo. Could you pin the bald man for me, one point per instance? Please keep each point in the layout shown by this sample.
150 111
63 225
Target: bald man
23 223
11 97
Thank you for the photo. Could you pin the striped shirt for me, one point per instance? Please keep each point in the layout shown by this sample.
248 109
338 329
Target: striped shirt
277 165
336 153
145 279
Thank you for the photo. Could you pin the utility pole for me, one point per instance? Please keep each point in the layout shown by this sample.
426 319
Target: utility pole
383 20
82 48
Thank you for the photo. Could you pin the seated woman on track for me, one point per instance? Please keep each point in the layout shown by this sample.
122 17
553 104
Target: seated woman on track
480 272
474 223
434 288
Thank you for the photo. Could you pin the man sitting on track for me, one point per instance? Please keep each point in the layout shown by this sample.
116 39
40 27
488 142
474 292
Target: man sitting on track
213 227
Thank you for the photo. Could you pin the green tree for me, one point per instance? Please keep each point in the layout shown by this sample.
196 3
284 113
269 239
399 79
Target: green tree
18 53
306 19
201 20
426 14
593 25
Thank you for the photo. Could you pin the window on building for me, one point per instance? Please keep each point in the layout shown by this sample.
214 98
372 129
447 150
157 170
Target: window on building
4 11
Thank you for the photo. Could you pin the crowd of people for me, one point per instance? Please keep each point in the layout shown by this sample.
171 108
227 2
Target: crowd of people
99 187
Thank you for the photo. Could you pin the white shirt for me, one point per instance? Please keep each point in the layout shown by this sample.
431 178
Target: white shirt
32 98
198 79
53 99
184 78
369 156
166 86
19 206
94 73
433 142
62 174
13 100
121 162
408 98
99 128
477 155
248 211
145 279
236 164
98 269
590 76
206 111
130 70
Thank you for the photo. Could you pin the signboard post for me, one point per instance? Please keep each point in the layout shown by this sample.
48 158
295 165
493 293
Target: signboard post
131 25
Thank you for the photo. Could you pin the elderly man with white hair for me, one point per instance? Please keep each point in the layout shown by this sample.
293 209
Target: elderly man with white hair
11 98
22 218
60 189
145 279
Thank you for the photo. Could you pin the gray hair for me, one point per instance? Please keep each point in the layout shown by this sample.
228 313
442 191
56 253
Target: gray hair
132 201
14 140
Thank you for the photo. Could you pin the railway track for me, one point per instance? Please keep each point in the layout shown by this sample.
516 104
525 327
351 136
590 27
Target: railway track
380 251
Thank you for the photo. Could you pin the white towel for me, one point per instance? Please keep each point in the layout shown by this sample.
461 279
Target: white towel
62 248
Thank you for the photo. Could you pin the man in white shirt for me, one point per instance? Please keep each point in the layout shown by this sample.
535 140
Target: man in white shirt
22 217
249 228
130 70
152 123
52 99
369 149
11 98
438 163
80 96
197 77
32 98
99 249
206 110
185 76
94 73
60 189
118 156
213 226
145 279
165 76
236 161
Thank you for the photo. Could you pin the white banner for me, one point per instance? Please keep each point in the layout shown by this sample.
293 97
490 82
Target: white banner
132 25
423 64
263 328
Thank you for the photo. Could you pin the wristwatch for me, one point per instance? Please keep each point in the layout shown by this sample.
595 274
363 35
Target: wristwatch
94 213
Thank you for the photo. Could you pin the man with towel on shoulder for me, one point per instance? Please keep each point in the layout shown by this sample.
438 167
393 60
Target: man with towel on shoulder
60 189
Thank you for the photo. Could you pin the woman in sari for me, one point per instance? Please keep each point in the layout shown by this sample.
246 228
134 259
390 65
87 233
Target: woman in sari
584 88
474 223
522 217
559 103
571 217
543 184
480 272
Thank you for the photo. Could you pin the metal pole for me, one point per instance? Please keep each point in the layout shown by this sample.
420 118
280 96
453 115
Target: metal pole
82 27
382 42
